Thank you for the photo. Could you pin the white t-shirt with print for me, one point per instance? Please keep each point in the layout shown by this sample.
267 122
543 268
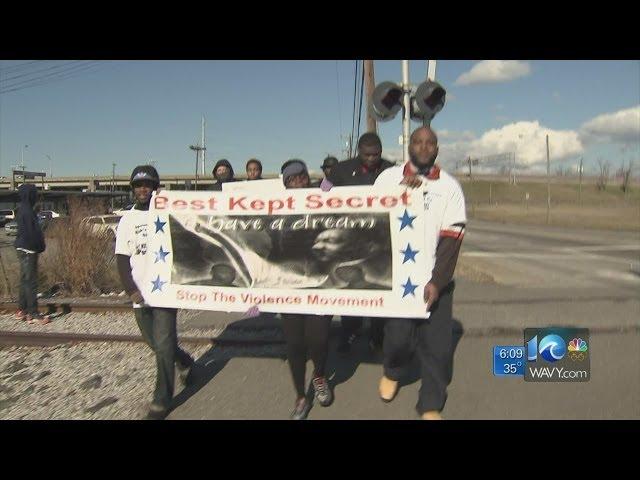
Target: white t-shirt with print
131 240
443 203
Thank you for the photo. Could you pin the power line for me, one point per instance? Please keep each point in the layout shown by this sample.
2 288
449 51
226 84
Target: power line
339 105
353 116
34 72
56 76
20 66
360 106
19 83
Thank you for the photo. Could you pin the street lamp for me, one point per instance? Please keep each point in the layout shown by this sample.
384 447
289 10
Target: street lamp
197 149
22 156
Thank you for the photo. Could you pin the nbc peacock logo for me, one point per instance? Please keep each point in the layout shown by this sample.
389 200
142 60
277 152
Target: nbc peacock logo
578 345
577 349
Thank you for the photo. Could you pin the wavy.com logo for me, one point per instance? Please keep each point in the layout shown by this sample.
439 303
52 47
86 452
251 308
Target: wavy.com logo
566 348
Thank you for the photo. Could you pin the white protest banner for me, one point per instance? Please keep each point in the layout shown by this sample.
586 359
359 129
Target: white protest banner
349 251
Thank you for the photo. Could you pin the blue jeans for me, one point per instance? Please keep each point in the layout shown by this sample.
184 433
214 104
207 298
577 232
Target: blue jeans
158 328
27 297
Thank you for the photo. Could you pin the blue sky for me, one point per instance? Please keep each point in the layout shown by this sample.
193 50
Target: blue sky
130 112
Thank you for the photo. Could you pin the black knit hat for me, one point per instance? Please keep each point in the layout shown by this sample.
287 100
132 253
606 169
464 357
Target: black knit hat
329 162
145 172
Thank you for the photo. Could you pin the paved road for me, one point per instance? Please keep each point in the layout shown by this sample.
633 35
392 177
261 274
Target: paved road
546 277
554 257
255 384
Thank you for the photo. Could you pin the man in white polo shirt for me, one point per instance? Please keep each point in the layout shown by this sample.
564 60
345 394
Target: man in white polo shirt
445 221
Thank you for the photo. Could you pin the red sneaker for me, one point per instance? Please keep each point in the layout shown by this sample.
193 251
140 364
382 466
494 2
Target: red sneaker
38 319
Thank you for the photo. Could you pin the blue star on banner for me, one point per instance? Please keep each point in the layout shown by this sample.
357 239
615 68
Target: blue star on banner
406 220
157 284
409 254
161 255
159 225
409 288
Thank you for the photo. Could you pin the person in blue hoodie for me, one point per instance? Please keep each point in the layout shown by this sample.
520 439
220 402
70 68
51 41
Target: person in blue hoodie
29 244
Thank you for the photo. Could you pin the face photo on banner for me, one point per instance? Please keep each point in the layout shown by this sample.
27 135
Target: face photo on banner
306 251
352 250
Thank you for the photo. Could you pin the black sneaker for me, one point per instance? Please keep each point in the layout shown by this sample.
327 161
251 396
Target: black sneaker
302 410
157 413
375 346
185 374
322 391
345 343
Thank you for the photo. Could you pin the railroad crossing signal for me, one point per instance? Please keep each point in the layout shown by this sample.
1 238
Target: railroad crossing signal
426 102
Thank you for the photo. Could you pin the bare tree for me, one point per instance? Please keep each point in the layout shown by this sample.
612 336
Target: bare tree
625 174
603 178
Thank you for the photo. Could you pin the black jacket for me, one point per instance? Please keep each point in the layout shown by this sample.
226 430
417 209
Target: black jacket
29 233
350 172
218 185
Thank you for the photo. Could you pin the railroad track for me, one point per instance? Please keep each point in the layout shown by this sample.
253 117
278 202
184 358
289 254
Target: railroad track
64 306
50 339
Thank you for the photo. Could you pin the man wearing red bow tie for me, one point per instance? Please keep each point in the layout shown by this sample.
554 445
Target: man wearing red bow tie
445 221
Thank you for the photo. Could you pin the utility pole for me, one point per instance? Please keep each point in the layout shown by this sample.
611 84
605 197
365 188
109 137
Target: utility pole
406 122
548 184
431 70
370 85
347 145
204 149
113 182
50 162
580 184
469 160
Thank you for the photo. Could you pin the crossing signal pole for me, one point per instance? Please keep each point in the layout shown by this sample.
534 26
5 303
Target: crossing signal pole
388 98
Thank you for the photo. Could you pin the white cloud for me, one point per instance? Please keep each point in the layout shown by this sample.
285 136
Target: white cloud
528 141
494 71
622 126
452 136
392 154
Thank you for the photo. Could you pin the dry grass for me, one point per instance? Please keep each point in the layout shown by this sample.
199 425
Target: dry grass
621 218
80 260
609 209
12 271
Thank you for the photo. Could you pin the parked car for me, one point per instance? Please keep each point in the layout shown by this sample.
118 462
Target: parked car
11 228
50 213
104 223
6 216
44 219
